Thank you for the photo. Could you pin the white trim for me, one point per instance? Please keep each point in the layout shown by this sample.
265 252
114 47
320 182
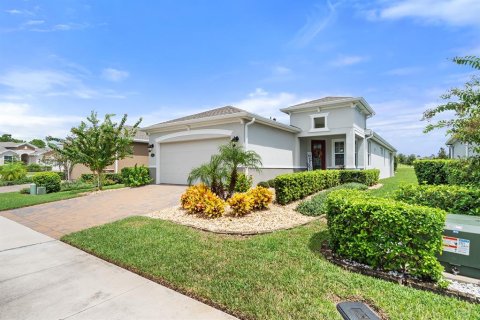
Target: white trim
312 122
344 152
193 135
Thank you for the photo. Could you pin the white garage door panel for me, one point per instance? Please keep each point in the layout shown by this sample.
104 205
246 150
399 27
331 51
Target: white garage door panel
177 159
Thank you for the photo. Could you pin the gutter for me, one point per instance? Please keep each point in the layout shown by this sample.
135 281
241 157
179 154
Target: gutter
245 139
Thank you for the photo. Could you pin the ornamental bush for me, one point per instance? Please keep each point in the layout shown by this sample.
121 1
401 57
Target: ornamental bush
316 205
261 197
453 199
50 180
367 177
244 182
108 178
241 204
431 171
198 199
136 176
386 234
464 172
294 186
13 171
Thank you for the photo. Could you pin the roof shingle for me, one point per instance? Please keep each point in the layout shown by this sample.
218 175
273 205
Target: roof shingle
209 113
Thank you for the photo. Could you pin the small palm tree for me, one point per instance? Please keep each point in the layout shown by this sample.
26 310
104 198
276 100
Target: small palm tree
234 156
212 174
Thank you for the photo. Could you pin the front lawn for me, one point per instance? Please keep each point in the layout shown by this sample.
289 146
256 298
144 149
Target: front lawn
404 175
13 200
275 276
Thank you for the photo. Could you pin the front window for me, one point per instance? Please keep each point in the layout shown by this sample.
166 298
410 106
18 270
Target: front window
7 159
339 153
319 122
369 153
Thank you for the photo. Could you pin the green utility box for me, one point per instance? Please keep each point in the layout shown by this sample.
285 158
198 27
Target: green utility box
41 190
461 245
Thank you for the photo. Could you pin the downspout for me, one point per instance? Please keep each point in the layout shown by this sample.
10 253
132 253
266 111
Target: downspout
245 139
365 149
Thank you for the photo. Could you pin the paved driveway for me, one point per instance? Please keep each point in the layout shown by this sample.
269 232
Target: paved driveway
43 278
56 219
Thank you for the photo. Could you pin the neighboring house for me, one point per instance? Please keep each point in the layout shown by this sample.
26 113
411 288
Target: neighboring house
332 132
26 152
457 149
139 157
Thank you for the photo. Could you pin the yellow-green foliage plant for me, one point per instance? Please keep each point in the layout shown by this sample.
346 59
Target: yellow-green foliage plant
261 197
241 204
214 207
198 199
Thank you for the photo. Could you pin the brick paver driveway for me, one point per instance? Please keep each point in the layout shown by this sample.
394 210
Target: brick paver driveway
56 219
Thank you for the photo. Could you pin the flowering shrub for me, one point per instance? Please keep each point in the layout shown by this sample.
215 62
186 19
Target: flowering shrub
198 199
241 204
261 197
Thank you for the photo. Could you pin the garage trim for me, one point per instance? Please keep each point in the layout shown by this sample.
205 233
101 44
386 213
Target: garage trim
186 136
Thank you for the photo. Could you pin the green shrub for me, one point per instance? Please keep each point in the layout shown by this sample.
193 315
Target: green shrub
453 199
25 191
464 172
431 171
316 205
136 176
24 180
263 184
34 167
271 183
50 180
367 177
244 182
386 234
76 185
108 178
13 171
294 186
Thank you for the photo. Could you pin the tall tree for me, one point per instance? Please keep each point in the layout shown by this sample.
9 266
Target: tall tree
55 158
465 105
98 144
38 143
6 137
442 154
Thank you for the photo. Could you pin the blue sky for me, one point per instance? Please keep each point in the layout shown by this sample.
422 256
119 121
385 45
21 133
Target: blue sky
163 59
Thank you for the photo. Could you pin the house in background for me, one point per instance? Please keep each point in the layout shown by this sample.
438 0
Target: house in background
139 157
21 151
457 149
328 133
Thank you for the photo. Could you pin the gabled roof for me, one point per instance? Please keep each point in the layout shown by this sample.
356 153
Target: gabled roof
376 137
140 136
330 102
216 114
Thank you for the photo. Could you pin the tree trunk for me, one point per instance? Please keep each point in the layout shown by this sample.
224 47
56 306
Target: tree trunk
99 180
233 182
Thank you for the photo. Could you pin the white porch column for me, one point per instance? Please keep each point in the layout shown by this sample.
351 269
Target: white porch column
350 149
296 153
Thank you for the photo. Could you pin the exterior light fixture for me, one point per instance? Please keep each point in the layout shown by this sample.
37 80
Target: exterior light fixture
150 147
235 139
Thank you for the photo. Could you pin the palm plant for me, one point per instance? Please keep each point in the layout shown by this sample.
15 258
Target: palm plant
234 156
212 174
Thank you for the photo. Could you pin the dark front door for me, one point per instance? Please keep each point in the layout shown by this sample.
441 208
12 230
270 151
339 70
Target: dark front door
319 154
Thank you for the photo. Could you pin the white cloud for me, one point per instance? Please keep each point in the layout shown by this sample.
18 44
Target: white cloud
405 71
26 122
50 82
19 12
114 75
316 23
281 71
344 61
451 12
34 22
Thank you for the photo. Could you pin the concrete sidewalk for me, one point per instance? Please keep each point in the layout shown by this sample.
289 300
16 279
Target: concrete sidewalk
14 188
43 278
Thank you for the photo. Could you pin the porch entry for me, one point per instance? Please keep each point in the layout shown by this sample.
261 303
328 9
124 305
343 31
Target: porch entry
319 155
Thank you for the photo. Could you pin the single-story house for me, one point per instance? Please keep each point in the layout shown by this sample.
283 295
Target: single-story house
139 157
327 133
24 151
457 149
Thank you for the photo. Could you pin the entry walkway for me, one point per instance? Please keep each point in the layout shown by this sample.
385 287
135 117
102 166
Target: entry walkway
43 278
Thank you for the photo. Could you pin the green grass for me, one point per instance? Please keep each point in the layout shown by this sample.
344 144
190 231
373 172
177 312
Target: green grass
13 200
404 175
274 276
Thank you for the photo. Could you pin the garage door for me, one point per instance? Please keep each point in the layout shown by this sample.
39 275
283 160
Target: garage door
178 158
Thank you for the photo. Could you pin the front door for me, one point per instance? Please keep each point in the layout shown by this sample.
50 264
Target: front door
319 155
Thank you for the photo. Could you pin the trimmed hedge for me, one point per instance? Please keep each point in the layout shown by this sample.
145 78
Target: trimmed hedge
431 171
135 176
386 234
454 172
50 180
367 177
453 199
91 178
294 186
316 205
